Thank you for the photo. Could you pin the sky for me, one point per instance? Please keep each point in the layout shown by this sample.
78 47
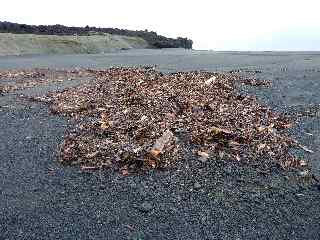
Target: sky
238 25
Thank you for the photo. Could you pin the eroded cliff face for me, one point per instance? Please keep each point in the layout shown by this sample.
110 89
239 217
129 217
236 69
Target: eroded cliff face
153 39
21 44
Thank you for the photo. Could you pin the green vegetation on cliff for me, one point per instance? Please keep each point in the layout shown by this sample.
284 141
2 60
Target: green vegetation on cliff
153 39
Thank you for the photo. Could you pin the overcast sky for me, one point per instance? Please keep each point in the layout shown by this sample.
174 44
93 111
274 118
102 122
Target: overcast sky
211 24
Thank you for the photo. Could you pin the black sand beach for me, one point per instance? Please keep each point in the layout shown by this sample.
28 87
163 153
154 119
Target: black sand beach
40 199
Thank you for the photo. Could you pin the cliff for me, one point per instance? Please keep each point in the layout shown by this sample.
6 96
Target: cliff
21 44
152 38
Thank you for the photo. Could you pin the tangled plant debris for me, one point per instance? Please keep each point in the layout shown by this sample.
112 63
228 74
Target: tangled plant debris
138 118
13 80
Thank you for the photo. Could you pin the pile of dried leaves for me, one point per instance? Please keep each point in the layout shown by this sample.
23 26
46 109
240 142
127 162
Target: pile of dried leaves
139 118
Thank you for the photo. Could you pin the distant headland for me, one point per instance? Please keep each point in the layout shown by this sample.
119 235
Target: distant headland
152 38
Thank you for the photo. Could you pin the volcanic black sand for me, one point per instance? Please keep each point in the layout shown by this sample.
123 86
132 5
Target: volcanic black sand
40 199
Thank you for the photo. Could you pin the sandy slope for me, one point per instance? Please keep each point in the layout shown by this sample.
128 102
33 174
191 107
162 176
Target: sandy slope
20 44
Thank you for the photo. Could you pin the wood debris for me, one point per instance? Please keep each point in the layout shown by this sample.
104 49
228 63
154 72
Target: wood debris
137 118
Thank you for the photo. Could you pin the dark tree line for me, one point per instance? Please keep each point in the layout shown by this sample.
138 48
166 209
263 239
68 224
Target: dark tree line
152 38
